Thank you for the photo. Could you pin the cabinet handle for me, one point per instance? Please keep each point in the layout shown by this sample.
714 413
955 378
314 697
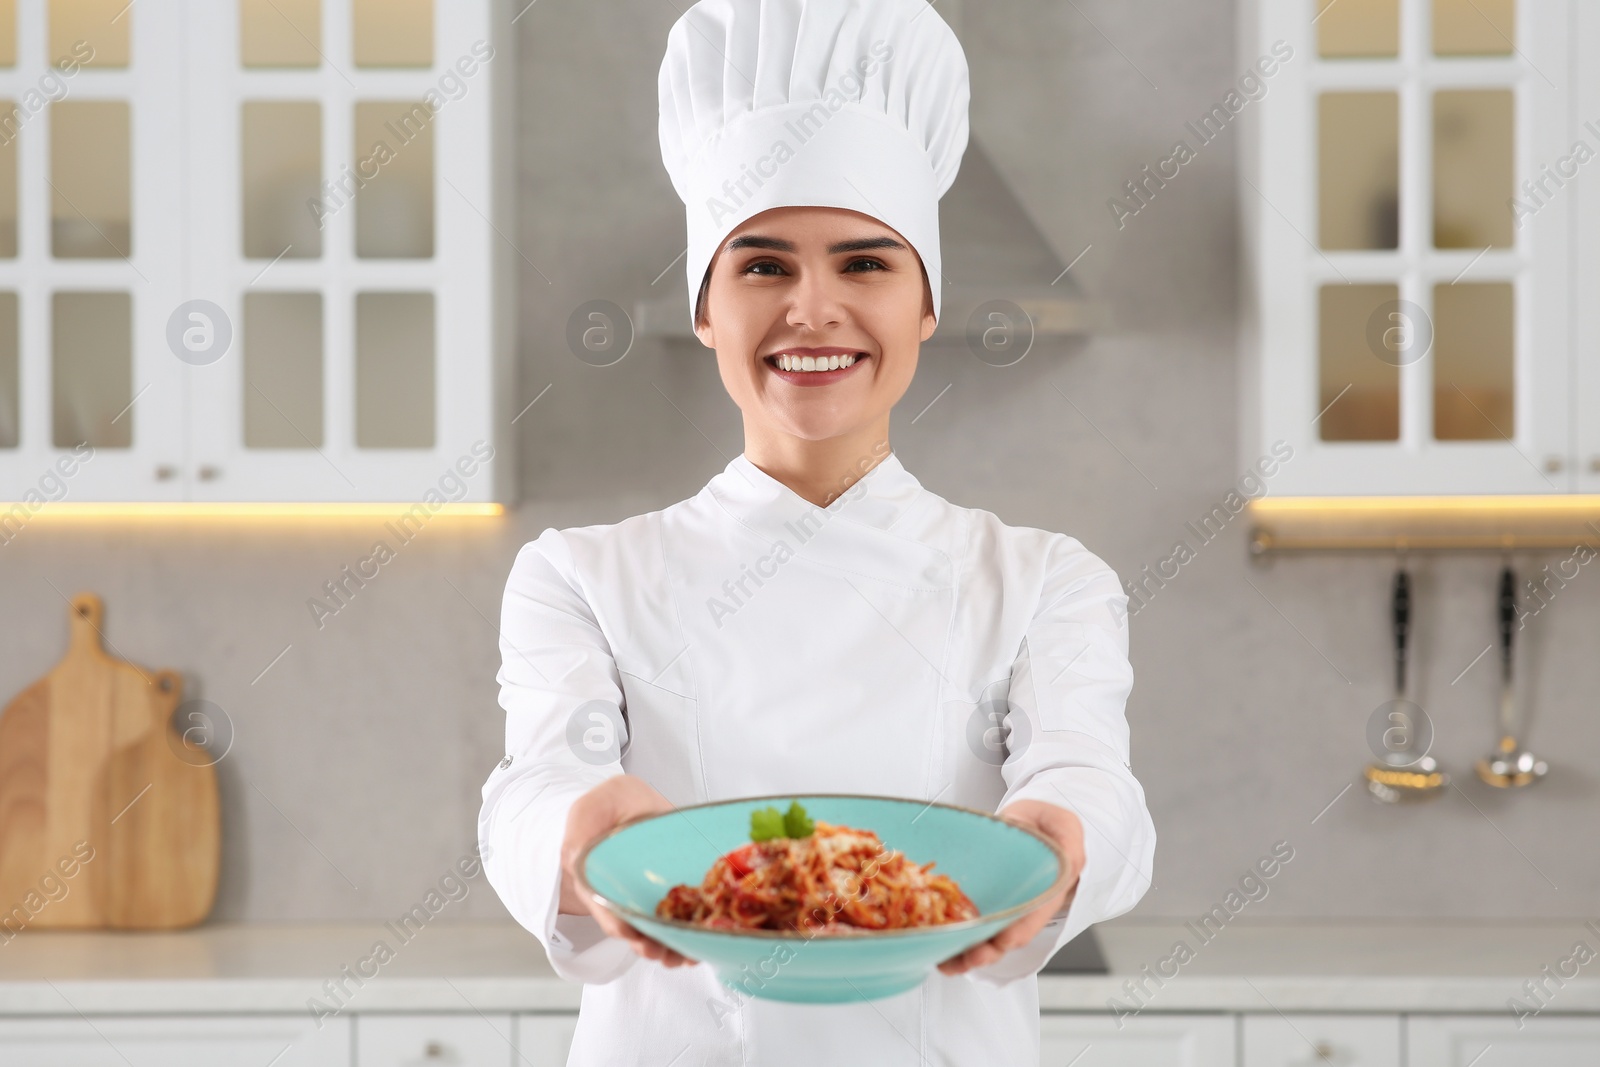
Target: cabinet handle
166 472
434 1051
1324 1050
1554 464
1594 464
210 474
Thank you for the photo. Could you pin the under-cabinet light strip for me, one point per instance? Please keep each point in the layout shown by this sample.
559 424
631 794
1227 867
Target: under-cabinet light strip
1563 503
1477 522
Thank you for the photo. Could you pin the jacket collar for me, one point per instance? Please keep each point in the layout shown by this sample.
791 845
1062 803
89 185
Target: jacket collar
754 498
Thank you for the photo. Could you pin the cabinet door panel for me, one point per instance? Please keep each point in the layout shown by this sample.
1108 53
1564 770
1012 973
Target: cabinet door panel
1143 1041
384 317
545 1040
175 1041
434 1040
1461 382
94 278
1587 284
1321 1040
1495 1041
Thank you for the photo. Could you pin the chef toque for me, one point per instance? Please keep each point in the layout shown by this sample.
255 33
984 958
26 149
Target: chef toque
858 104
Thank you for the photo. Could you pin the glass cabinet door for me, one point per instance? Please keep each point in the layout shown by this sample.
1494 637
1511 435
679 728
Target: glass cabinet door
1411 297
91 193
340 162
1579 166
328 127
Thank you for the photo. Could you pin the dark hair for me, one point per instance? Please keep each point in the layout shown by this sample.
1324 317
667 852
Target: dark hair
700 300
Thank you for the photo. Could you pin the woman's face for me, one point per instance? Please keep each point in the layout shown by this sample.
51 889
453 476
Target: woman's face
797 278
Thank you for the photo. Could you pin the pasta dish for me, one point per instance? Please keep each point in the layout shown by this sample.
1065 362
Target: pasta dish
832 880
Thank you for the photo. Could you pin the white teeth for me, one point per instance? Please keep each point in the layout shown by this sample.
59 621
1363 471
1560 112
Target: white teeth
802 363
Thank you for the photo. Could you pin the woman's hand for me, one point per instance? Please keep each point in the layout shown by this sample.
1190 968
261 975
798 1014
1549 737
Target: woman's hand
1066 830
615 800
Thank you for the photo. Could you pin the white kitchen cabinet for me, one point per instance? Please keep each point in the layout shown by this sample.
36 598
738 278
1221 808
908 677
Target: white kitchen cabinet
294 282
175 1041
81 291
1321 1041
1495 1041
544 1040
435 1040
1145 1040
1405 330
1586 308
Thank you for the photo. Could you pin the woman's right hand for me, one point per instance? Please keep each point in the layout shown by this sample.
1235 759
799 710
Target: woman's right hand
617 799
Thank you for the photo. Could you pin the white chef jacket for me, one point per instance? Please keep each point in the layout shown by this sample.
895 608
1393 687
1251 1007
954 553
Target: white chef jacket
759 644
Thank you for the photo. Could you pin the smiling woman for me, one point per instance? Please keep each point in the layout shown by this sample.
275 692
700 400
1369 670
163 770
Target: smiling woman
816 315
813 621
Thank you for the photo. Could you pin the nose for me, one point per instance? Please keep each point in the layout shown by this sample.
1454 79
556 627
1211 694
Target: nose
816 300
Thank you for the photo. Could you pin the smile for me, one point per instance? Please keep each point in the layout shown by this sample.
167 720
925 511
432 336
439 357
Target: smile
814 370
813 363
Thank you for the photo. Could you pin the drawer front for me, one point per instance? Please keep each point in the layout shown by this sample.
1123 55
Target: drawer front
1495 1041
435 1040
545 1040
1322 1040
1143 1041
173 1041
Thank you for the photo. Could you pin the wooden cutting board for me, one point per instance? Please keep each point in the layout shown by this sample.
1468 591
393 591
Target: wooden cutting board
108 816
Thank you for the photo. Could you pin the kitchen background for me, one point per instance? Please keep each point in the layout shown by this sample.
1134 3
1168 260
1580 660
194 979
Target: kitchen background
361 744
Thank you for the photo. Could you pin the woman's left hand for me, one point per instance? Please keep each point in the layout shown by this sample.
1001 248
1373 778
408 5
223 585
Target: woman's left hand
1065 829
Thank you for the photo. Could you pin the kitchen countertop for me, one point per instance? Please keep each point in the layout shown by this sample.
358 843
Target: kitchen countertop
1409 966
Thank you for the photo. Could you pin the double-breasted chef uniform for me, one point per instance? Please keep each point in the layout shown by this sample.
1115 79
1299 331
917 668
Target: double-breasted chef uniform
746 642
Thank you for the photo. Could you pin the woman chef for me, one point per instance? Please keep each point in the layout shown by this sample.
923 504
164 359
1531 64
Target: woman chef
813 620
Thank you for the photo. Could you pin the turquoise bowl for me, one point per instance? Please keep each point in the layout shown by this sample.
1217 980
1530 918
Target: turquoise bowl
1005 869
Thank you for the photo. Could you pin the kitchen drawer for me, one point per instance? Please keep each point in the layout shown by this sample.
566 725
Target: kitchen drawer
1143 1041
1321 1041
175 1041
464 1039
543 1040
1543 1041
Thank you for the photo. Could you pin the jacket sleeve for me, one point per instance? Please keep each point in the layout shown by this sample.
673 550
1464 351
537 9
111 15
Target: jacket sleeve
1067 745
556 671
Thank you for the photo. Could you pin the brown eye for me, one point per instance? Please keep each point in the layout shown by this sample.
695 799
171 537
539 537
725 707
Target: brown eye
751 269
866 263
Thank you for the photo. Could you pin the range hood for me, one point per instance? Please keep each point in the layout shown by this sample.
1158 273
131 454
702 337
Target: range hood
992 251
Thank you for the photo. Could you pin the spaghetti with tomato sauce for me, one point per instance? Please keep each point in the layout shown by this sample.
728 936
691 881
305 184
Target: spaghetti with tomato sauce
835 880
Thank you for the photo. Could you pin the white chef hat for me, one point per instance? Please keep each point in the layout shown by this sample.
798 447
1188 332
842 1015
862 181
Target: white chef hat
858 104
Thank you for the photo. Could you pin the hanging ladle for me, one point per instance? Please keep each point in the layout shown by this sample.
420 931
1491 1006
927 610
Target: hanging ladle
1509 765
1401 772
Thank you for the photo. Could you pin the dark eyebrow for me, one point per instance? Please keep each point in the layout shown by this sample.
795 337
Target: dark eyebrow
775 244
